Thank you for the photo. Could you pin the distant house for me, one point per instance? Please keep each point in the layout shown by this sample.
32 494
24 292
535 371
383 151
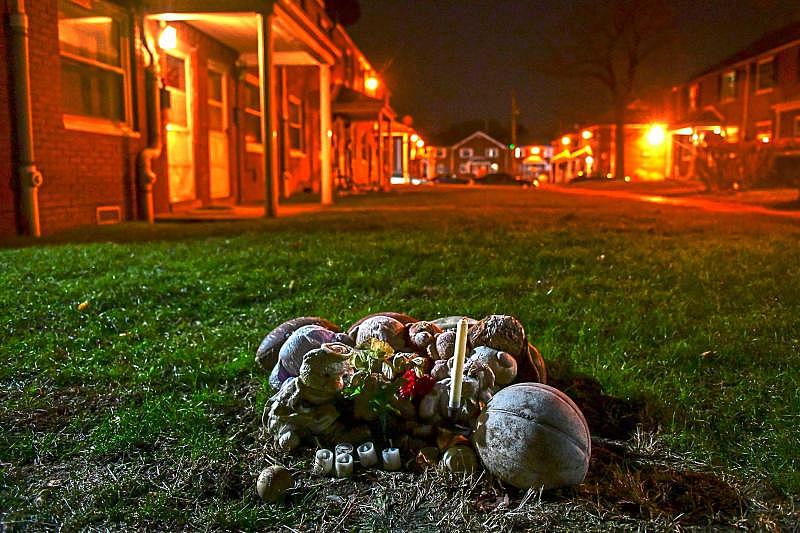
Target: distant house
749 98
129 109
591 150
478 155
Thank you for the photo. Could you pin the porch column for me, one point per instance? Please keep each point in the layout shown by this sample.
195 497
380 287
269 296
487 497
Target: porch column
325 133
268 113
390 155
379 174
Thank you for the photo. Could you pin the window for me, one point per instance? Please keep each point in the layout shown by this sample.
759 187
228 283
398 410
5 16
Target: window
694 91
95 61
727 85
441 153
216 99
796 128
492 152
295 124
364 148
252 111
764 131
465 153
765 74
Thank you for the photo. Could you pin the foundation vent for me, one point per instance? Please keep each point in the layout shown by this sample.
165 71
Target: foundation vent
109 214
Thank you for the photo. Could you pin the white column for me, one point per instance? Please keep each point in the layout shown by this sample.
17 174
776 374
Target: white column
325 133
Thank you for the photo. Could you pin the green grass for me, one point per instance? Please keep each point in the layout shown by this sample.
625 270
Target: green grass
142 407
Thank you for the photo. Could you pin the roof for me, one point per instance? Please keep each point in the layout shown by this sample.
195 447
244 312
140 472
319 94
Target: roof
357 105
762 45
479 134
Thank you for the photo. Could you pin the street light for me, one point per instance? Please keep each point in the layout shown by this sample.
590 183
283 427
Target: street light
656 135
586 135
565 140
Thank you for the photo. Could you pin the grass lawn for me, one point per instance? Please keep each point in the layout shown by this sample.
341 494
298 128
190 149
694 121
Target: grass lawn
129 397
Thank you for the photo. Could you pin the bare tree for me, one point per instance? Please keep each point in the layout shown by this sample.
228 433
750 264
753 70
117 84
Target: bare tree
608 44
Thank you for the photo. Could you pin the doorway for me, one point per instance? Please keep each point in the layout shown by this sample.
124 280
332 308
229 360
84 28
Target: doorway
218 154
180 158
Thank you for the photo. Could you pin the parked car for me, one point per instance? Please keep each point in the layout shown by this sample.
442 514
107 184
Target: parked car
499 178
450 179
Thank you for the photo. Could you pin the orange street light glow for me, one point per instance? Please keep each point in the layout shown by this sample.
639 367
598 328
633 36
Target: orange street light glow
565 140
656 135
586 134
535 150
765 139
371 83
420 143
414 137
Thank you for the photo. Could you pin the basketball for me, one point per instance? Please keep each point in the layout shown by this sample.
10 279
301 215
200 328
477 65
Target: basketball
533 435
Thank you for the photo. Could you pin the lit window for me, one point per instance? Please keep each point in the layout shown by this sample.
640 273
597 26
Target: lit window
252 112
694 92
95 62
727 87
765 75
295 124
764 131
492 152
465 153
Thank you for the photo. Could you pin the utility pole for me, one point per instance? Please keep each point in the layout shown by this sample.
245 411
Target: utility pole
514 113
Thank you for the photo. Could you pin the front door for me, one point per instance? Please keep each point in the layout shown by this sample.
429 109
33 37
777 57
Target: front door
180 157
217 132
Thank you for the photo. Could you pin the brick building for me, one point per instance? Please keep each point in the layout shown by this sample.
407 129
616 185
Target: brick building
478 155
144 107
750 98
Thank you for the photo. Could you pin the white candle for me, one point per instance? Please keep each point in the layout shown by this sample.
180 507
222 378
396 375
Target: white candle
458 368
344 448
323 460
391 459
367 455
344 465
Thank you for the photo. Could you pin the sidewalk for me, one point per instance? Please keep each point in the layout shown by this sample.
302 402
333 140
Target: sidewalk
234 212
762 202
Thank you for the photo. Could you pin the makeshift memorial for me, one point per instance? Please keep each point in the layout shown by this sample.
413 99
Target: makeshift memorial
435 392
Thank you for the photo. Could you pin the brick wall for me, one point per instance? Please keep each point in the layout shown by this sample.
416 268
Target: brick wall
8 199
81 170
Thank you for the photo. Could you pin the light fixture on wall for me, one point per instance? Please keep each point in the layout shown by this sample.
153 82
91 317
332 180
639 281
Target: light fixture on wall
168 38
371 83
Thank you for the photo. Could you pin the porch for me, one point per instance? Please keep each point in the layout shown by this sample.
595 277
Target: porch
268 38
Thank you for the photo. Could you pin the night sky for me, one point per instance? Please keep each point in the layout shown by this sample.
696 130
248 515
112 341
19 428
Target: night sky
447 61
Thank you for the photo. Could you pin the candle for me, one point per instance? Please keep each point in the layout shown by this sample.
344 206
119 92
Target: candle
344 465
344 448
391 459
323 461
458 368
367 455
